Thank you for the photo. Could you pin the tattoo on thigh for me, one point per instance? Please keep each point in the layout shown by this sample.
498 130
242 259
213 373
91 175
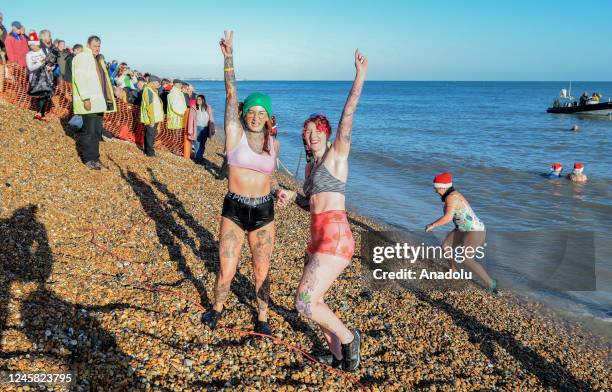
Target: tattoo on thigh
263 245
227 244
263 295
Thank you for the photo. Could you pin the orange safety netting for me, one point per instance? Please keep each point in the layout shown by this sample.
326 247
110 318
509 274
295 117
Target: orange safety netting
124 123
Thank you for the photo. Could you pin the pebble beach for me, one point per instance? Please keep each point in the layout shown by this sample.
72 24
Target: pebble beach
107 273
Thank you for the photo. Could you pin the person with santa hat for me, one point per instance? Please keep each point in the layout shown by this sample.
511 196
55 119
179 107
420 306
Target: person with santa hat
576 175
469 230
40 76
555 171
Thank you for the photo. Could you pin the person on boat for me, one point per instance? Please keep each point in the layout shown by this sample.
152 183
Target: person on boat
576 175
583 98
555 171
469 231
594 98
331 246
248 205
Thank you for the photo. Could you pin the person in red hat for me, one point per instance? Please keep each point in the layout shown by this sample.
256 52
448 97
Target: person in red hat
40 85
555 171
576 175
469 230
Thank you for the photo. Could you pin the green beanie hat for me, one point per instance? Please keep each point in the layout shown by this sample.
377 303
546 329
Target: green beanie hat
257 99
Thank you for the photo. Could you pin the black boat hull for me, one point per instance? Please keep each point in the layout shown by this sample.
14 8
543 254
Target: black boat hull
602 109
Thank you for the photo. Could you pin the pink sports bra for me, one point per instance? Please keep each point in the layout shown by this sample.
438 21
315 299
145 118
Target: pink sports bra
243 156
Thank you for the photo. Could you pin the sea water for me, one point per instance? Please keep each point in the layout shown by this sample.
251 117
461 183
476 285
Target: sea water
495 137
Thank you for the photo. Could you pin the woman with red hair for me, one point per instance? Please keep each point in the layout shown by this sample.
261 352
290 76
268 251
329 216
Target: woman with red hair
469 230
331 245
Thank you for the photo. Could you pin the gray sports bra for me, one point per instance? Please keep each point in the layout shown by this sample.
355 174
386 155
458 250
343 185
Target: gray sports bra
321 180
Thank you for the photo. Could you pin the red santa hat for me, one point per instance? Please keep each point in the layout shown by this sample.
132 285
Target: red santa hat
578 167
443 180
33 38
556 166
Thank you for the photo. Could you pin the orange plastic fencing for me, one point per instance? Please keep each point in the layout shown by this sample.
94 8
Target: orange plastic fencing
124 123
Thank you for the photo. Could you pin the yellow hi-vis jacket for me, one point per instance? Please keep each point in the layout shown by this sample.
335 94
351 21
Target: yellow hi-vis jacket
176 108
86 85
151 110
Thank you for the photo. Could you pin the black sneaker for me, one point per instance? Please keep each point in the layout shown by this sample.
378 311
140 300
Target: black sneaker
328 359
351 356
93 165
211 318
263 327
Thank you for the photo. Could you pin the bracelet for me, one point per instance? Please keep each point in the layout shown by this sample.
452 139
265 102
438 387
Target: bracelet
228 69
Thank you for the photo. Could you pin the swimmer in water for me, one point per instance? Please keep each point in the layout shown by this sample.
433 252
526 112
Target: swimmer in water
469 230
576 174
555 171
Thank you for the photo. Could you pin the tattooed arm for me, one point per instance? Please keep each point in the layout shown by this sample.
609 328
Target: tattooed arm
303 201
232 124
342 144
274 186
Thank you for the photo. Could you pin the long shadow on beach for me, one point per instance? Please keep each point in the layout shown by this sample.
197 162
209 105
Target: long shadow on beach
218 172
60 331
551 375
171 234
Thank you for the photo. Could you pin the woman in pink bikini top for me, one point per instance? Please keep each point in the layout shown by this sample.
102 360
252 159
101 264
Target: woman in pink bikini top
248 206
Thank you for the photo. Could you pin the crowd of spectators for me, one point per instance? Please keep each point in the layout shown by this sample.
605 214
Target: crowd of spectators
98 85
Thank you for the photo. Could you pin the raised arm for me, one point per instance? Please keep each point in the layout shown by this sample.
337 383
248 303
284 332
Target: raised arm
342 144
233 127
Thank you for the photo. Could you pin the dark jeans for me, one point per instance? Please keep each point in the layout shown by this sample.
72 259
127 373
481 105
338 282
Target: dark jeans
41 105
91 134
200 142
149 139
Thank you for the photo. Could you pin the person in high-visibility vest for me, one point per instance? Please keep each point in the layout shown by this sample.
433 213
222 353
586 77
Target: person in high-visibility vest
151 113
176 105
92 96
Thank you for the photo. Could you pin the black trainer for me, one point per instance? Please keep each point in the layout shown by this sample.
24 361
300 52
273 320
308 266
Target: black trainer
351 352
93 165
263 327
211 318
328 359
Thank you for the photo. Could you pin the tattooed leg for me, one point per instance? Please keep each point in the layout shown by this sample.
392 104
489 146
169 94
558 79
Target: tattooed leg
263 299
332 342
319 274
229 253
261 242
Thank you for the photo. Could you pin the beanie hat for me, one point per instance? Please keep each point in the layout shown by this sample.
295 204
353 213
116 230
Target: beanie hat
33 39
443 180
257 99
556 166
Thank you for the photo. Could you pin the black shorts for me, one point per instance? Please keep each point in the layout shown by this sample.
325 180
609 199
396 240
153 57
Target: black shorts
250 213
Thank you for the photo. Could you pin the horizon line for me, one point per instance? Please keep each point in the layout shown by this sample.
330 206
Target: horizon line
401 80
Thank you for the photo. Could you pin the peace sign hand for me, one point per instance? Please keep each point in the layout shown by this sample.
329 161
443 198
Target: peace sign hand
227 43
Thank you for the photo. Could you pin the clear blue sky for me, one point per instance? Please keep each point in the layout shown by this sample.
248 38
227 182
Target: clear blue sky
314 40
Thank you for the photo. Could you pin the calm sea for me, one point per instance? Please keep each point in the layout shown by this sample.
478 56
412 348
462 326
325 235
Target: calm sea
495 137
